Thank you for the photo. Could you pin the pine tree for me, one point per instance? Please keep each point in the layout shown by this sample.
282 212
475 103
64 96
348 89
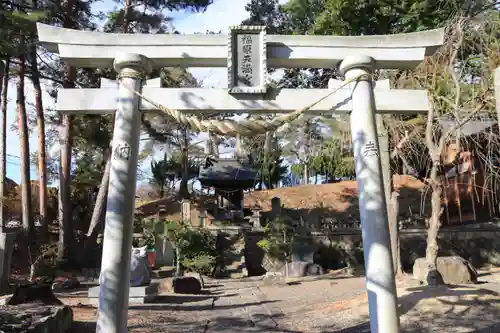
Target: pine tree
130 19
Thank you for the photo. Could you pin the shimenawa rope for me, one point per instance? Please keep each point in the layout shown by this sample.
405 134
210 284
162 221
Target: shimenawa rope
231 127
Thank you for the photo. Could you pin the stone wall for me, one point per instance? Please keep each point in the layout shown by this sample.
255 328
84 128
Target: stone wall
479 243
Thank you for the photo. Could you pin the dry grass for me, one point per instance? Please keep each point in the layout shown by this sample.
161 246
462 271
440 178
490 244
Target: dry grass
338 197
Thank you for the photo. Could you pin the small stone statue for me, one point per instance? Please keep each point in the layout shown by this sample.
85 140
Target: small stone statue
139 270
140 273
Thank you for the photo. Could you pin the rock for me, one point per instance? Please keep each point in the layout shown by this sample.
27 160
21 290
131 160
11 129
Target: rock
64 317
57 286
36 318
273 275
5 300
179 285
68 284
198 277
186 285
238 275
453 270
220 272
303 268
165 286
274 278
40 293
357 270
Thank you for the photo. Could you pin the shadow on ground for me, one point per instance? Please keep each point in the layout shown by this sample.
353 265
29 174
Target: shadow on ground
197 307
449 309
365 328
444 308
219 325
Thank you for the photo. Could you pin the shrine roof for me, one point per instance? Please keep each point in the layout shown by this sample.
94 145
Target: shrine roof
232 173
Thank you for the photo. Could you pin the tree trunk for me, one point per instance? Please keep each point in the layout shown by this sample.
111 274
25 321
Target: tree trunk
385 159
183 187
66 143
102 196
27 223
307 150
496 84
2 72
397 247
40 124
178 266
342 142
100 202
306 174
432 249
4 87
126 22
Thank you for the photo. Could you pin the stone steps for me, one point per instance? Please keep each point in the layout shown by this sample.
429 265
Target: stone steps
234 259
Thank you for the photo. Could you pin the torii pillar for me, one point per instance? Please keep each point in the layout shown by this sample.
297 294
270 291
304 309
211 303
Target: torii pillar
117 243
380 280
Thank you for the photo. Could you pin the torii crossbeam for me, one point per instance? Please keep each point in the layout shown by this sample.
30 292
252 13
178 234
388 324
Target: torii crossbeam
247 52
202 100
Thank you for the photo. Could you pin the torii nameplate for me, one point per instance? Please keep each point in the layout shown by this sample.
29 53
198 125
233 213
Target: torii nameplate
246 63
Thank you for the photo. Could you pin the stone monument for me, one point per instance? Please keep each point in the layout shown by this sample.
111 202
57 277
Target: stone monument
164 249
186 210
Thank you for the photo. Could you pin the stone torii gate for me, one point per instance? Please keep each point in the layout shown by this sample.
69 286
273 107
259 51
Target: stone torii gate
247 52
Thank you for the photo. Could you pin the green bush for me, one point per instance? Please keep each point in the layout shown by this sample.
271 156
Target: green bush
203 264
146 227
197 247
278 238
198 250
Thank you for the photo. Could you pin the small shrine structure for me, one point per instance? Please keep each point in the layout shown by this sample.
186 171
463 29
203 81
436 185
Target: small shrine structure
229 177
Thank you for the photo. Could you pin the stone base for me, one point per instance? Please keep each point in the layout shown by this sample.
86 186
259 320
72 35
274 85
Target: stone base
137 295
131 300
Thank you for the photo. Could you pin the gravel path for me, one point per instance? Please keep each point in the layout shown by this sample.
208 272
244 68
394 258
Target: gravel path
332 305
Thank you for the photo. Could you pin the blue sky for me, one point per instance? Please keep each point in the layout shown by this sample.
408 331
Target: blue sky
219 16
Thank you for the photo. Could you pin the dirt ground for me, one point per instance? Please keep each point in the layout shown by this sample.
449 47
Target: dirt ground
330 305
